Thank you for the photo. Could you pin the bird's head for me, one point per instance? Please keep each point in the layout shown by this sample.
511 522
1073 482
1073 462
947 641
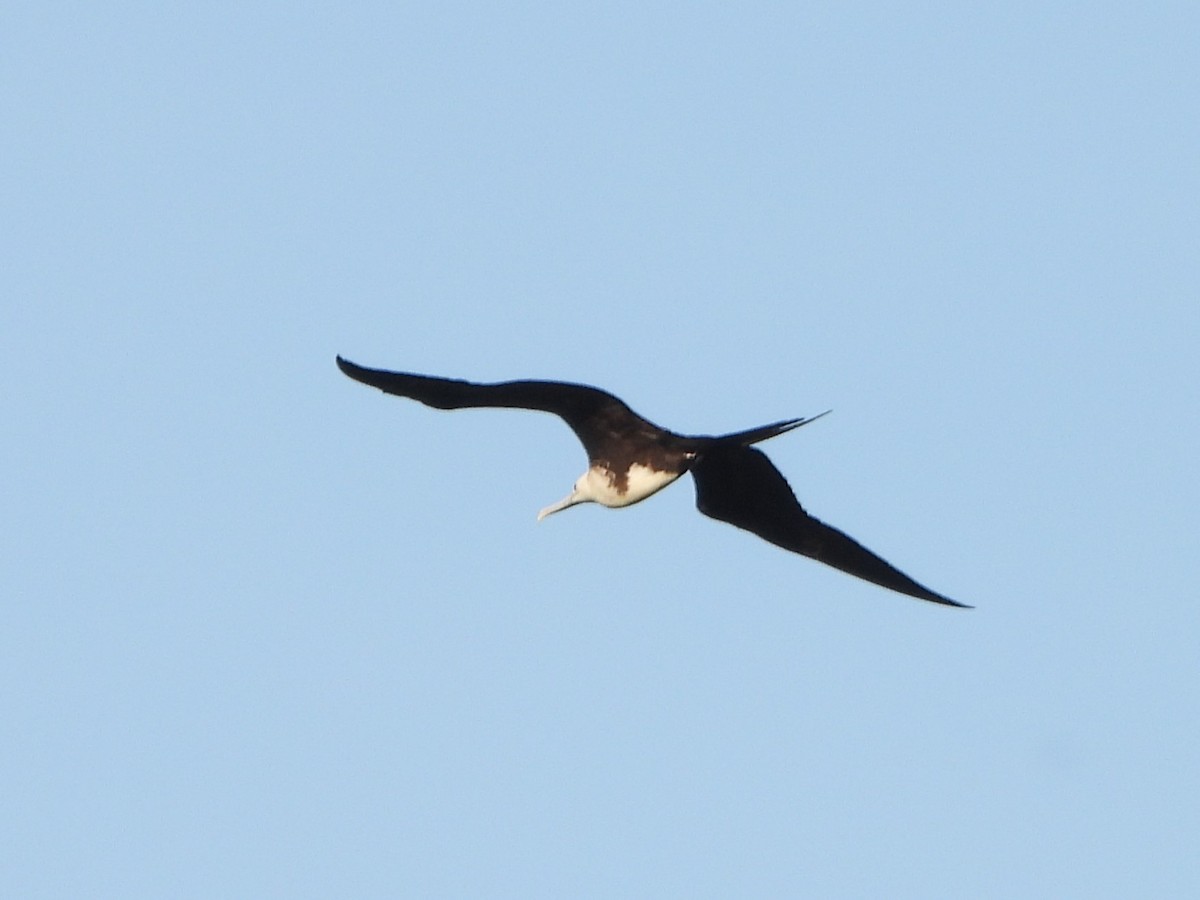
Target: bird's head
580 493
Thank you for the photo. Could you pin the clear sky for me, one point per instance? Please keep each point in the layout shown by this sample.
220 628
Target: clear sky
269 633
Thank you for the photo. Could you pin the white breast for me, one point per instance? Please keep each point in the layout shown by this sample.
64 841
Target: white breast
641 483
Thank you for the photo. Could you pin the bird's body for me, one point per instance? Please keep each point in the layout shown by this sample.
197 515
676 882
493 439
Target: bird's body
613 489
630 458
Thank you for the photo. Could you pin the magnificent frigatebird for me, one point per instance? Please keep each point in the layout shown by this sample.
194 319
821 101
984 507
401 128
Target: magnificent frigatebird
630 459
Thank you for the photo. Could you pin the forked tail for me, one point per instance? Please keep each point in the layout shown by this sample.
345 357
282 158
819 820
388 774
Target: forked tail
763 432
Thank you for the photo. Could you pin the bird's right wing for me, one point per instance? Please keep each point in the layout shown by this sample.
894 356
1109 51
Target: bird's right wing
739 485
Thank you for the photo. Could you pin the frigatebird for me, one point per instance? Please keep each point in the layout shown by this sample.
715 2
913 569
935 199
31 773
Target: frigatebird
630 458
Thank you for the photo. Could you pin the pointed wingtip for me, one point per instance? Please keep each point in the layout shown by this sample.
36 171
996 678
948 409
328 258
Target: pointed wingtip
920 592
946 601
349 368
913 589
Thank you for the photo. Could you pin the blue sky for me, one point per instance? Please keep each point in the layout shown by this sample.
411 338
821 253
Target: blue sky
270 633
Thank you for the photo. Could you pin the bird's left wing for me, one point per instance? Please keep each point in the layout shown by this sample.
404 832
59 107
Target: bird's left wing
589 411
739 485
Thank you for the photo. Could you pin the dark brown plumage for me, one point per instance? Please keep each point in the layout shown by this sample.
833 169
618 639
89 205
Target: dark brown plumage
631 458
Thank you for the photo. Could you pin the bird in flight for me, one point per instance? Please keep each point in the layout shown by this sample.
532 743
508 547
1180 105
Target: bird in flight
630 458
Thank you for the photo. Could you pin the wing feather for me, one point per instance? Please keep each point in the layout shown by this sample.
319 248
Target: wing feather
739 485
590 412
